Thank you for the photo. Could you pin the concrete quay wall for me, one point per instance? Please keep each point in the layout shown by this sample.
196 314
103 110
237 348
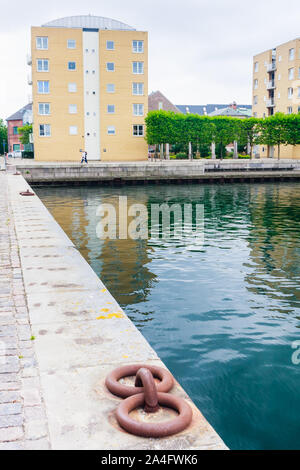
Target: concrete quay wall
80 334
51 173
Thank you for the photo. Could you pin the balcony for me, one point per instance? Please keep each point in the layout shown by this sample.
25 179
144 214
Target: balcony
270 103
271 67
270 84
28 59
29 79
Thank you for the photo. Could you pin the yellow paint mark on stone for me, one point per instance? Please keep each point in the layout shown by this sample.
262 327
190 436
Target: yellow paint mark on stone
125 357
103 290
111 315
104 310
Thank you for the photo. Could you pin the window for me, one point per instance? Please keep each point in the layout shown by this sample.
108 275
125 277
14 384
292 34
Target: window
298 91
138 46
71 65
110 66
110 45
279 58
160 105
290 110
138 67
279 76
72 87
45 130
42 65
44 108
278 94
255 100
110 108
15 130
111 130
291 74
16 147
291 54
137 88
138 130
138 109
255 83
254 114
42 42
256 67
290 92
71 44
43 86
72 108
298 72
73 130
110 87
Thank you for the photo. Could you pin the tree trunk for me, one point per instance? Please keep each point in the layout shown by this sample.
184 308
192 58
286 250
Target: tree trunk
278 151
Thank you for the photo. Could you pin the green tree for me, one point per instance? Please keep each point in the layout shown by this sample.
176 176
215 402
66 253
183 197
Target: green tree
227 130
273 131
249 130
24 132
3 136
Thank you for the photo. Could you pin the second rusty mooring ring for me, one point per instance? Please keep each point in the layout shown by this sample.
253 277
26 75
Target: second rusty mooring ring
121 390
162 429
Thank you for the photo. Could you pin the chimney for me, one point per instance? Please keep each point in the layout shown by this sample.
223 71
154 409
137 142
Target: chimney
233 105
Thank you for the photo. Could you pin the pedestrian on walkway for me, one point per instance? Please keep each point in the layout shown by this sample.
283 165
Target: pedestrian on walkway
83 157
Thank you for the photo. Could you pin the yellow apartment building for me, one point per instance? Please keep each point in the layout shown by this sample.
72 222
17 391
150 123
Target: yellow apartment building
276 88
89 89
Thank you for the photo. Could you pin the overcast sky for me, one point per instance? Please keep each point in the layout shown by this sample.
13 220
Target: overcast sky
200 51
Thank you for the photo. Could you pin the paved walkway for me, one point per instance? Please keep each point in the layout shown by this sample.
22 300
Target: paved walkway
23 422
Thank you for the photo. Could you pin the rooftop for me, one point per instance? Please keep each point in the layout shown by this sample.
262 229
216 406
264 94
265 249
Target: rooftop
18 116
88 21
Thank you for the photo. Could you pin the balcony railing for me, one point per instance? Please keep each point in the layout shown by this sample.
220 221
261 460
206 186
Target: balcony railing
28 59
29 79
271 67
270 103
270 84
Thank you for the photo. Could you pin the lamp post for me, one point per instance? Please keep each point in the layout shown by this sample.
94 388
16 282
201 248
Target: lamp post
4 154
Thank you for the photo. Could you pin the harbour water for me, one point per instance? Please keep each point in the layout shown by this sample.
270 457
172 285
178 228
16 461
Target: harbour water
223 314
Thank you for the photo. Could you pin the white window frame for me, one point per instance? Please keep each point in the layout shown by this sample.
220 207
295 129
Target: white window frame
110 48
111 63
42 107
43 92
292 53
291 73
138 68
73 130
255 66
71 41
44 39
298 92
136 109
111 130
255 99
290 92
255 83
110 112
138 126
47 130
136 49
43 61
136 87
72 85
73 107
290 110
72 62
107 88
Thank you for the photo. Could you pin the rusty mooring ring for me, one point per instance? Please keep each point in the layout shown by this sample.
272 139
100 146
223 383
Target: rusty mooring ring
27 193
124 391
163 429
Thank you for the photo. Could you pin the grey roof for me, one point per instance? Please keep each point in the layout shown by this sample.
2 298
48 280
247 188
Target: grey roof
88 21
207 108
19 114
229 111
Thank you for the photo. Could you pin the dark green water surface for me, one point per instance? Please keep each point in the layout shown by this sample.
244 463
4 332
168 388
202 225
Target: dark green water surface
222 316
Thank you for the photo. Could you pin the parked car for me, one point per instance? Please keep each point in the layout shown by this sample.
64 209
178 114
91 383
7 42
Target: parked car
15 154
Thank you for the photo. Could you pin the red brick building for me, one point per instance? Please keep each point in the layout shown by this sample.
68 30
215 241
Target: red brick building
14 121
